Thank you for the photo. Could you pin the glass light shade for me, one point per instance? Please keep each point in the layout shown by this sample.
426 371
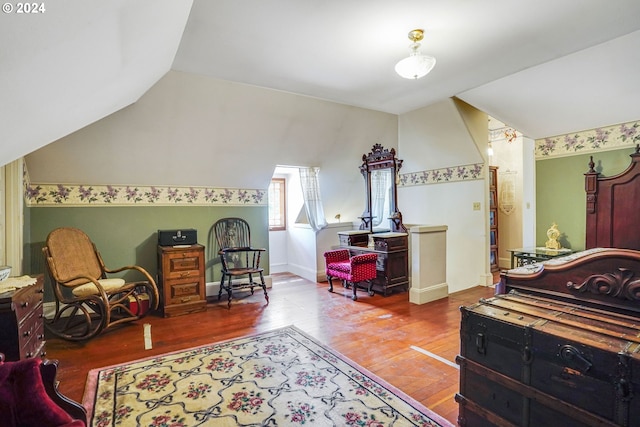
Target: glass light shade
415 66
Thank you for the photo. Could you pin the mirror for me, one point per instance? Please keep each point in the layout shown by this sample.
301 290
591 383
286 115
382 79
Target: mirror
380 168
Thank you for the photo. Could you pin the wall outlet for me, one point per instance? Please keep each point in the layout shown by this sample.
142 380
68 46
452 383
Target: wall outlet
476 206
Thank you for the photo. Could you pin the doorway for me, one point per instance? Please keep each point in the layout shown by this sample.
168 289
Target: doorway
280 242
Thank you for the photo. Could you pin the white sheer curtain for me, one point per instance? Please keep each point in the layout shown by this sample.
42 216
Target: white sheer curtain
312 199
380 185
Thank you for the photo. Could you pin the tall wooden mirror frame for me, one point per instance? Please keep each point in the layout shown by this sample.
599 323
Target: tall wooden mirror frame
381 158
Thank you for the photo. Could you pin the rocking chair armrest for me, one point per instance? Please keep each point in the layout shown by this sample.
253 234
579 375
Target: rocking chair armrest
137 268
86 279
117 270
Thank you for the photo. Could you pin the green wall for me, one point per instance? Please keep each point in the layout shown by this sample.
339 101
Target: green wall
128 235
561 197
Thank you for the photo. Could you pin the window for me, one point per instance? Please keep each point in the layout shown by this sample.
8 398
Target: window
277 205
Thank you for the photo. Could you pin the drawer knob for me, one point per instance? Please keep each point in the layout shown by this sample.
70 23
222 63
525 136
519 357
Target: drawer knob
25 304
26 333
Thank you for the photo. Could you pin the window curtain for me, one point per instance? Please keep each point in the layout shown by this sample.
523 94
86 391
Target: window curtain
380 185
312 199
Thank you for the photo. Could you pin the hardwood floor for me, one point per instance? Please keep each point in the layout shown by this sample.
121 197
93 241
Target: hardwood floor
387 335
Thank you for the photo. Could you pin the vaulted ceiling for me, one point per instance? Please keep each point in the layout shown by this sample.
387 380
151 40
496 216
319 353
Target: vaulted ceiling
544 67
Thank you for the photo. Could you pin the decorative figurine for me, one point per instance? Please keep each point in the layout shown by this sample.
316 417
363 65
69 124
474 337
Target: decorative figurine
553 233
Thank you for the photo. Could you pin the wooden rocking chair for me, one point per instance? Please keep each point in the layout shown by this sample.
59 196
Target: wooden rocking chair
87 301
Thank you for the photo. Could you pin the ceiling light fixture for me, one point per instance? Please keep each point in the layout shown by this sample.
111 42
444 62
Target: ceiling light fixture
416 65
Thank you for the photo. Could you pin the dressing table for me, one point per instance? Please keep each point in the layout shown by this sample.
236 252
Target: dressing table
381 230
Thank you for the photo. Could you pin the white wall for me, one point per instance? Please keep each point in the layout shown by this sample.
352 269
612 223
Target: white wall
443 135
306 249
451 204
192 130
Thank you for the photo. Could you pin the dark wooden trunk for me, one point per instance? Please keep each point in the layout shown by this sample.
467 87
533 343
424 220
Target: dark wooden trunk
533 361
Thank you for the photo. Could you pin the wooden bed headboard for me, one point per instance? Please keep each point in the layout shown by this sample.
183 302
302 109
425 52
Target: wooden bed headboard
613 207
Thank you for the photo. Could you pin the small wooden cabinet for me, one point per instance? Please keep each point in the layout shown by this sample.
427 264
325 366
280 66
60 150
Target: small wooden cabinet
181 279
22 322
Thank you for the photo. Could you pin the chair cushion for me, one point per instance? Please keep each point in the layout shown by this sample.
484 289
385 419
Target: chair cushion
344 267
24 401
109 285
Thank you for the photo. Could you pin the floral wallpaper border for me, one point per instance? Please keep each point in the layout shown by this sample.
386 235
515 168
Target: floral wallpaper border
114 195
599 139
437 176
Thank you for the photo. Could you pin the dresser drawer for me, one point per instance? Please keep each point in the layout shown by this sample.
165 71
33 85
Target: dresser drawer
182 264
31 335
183 290
22 322
26 299
35 348
31 327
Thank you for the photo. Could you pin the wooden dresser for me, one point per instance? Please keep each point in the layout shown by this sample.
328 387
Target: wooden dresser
181 279
393 260
22 322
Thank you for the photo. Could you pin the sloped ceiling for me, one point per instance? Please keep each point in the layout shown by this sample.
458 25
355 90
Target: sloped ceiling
79 61
545 67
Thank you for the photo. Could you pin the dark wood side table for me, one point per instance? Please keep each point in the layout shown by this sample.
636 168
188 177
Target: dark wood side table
393 260
22 322
181 279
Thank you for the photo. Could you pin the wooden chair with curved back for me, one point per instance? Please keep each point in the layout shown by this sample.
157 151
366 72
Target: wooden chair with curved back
87 301
238 257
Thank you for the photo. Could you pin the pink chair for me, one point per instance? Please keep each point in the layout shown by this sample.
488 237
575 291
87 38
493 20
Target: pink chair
350 269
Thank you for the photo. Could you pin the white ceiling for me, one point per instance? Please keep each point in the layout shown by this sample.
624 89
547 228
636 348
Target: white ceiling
544 67
532 64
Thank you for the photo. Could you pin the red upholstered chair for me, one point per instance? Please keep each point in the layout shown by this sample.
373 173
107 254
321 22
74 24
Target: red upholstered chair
350 269
29 396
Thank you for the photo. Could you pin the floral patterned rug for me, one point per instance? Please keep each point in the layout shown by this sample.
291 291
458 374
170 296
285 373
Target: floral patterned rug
279 378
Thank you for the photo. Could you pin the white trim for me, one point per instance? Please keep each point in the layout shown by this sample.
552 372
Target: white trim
14 216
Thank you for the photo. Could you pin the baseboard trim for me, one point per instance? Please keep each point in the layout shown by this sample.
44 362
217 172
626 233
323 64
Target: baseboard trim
432 293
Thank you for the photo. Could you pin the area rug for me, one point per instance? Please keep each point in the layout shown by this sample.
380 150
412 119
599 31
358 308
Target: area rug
278 378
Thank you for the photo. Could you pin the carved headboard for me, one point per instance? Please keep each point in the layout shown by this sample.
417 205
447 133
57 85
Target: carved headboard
613 207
